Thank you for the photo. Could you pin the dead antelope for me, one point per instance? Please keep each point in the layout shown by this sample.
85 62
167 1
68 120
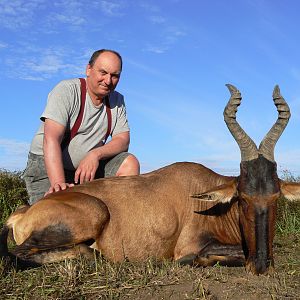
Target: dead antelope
184 211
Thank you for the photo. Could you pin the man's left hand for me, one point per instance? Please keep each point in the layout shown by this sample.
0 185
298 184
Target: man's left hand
87 168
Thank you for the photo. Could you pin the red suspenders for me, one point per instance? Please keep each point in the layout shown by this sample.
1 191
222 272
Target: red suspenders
70 135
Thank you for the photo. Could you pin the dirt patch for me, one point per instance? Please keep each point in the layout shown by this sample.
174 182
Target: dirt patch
236 283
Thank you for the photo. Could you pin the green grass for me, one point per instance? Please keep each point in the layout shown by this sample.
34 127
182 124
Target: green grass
288 212
12 193
288 217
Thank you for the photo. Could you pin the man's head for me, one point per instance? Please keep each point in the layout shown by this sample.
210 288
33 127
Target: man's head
103 72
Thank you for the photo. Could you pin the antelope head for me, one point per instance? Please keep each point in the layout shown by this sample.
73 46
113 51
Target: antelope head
258 187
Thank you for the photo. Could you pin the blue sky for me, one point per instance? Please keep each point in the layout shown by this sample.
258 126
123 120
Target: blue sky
178 55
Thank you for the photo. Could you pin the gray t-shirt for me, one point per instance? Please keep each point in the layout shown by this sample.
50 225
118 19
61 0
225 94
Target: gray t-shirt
63 107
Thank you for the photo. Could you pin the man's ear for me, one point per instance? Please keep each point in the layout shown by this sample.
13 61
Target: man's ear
88 70
290 190
221 194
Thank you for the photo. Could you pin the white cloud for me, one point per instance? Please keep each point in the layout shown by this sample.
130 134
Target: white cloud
48 64
147 69
13 154
15 14
72 20
67 12
3 45
69 4
37 63
167 33
111 8
21 14
149 7
157 19
169 36
159 49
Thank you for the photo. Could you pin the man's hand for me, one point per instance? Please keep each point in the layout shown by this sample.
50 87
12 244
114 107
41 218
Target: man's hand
87 168
59 186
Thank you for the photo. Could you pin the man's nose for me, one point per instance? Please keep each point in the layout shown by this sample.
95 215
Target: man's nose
107 79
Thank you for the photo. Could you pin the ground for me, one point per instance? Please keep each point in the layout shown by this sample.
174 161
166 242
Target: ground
79 279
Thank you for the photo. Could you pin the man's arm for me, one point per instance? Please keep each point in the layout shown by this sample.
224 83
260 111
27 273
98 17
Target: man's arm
88 166
53 135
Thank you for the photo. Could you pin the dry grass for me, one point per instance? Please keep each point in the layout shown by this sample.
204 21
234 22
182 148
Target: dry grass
100 279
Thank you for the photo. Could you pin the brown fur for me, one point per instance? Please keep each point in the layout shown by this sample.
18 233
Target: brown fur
138 217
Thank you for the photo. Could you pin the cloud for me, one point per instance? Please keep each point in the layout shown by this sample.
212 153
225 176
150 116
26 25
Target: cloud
110 8
159 49
69 19
20 14
147 69
15 14
149 7
157 19
68 12
50 63
73 5
169 36
37 63
13 154
3 45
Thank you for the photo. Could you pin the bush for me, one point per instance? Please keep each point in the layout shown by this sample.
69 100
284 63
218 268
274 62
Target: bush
288 212
12 193
288 176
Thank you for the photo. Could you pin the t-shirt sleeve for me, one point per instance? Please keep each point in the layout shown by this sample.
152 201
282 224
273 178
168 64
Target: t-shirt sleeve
121 118
59 106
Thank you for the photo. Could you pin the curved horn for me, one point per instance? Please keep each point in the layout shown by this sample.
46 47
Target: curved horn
267 145
247 146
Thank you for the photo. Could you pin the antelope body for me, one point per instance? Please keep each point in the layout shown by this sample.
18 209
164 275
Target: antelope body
184 211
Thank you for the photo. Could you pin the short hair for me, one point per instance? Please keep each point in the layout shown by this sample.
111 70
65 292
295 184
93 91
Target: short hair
97 53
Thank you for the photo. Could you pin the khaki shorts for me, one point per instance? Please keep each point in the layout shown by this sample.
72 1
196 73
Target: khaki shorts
37 181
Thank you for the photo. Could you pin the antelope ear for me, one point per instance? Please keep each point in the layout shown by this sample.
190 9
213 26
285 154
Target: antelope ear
221 194
290 190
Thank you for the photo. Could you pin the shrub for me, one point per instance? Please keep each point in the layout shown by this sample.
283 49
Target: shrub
12 193
288 212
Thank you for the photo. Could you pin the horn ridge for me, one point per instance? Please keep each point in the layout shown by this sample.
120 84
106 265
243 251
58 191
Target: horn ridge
267 145
247 146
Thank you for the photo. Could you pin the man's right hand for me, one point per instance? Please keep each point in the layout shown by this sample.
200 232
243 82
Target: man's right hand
59 186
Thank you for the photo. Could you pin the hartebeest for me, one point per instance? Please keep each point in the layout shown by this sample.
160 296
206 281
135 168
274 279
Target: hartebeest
184 211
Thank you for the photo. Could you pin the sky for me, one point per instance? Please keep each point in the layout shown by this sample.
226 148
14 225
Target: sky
177 54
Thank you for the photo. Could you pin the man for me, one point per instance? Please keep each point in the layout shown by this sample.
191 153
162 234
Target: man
56 162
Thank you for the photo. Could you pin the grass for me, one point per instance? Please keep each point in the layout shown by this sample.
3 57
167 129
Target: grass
101 279
288 212
79 279
12 193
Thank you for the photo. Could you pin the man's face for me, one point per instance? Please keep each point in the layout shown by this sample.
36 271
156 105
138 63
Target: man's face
104 75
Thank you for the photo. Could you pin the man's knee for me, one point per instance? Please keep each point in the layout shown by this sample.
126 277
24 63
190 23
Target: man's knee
36 189
36 178
130 166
